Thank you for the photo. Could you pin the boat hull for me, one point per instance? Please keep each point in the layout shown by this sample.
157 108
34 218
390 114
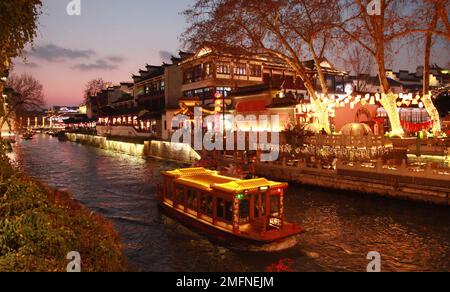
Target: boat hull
228 239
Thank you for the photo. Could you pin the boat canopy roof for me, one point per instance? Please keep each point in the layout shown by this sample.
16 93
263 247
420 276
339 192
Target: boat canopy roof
248 185
209 180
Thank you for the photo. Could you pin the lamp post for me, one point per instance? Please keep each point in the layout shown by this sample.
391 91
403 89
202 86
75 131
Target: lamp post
220 108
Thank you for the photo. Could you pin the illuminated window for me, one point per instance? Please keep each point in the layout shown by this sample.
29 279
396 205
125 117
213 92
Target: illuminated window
188 76
223 68
255 70
224 91
208 70
240 69
275 206
198 73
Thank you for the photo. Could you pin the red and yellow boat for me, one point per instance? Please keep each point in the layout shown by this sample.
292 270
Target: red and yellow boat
248 214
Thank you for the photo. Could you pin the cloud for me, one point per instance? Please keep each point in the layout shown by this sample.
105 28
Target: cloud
115 59
98 65
54 53
30 65
165 56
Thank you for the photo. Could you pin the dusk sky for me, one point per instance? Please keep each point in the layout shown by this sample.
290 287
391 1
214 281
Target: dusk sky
112 39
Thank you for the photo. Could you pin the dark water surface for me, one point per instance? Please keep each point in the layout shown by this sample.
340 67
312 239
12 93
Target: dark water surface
342 227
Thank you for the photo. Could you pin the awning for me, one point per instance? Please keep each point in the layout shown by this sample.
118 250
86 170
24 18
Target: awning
251 106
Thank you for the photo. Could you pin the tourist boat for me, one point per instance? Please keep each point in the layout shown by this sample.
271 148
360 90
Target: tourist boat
27 136
245 214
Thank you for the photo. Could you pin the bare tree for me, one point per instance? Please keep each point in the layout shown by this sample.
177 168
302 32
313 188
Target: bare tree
431 14
290 30
27 96
360 63
378 30
94 87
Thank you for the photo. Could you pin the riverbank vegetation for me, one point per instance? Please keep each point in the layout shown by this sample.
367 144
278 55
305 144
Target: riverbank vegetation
40 226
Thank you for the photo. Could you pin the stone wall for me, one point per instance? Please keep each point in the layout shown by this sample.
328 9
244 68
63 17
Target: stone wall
104 143
178 152
427 186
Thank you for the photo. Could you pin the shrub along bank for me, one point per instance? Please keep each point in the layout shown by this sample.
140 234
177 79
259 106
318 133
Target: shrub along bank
40 226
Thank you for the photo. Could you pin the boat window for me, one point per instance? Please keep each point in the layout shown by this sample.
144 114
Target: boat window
274 206
224 210
169 193
263 204
179 197
229 211
192 200
256 205
220 209
244 211
206 205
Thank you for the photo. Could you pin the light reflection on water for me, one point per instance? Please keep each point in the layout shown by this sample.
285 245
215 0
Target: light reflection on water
342 228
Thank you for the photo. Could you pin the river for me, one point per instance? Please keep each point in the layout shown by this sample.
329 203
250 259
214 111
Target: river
342 228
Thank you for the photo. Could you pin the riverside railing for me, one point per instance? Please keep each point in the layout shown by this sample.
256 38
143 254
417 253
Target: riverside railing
349 141
290 170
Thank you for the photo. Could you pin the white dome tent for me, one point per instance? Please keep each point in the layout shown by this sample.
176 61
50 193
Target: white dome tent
356 129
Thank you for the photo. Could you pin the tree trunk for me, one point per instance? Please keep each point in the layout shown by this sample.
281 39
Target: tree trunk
320 106
323 82
388 98
2 110
4 119
427 99
426 65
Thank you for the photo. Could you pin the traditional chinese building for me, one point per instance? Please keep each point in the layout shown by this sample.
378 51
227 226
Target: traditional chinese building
251 85
140 108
